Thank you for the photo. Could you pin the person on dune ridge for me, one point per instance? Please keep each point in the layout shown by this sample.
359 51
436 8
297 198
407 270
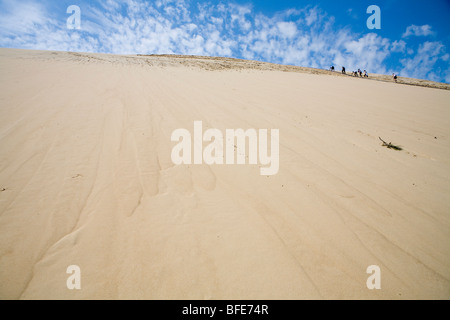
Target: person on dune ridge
394 76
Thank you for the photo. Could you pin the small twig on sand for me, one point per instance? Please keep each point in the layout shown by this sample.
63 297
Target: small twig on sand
390 145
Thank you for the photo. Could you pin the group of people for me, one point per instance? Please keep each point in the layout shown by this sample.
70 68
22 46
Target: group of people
360 73
354 73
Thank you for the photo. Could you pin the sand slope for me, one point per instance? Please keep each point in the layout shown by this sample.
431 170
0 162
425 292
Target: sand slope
86 178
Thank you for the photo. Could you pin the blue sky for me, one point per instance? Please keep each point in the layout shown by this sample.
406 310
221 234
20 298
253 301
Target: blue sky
414 39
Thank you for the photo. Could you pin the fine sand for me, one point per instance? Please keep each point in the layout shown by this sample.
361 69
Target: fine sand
86 179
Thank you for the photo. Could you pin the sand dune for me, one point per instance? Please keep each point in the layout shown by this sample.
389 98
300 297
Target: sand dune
86 179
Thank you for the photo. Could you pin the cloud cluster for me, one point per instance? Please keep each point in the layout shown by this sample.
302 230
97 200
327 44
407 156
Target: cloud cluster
422 64
418 31
306 37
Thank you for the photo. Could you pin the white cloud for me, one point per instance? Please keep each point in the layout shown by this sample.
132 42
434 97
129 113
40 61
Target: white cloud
21 17
287 29
418 31
312 16
398 46
422 64
447 76
352 13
